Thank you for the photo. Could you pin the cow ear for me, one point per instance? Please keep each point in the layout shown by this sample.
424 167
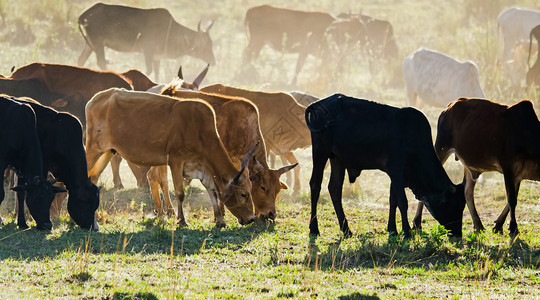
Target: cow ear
283 186
58 189
19 188
59 103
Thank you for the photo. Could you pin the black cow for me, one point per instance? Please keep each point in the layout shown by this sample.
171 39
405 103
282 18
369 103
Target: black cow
20 149
61 139
286 30
357 135
153 32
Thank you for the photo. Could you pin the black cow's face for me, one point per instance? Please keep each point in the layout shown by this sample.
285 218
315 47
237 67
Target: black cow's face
203 48
83 204
448 209
39 196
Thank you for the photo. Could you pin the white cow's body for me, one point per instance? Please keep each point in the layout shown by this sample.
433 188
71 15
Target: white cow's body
515 25
438 79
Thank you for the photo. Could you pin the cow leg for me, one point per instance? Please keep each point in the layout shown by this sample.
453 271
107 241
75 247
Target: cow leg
163 183
156 69
292 160
398 199
299 65
84 55
335 187
512 189
99 162
501 219
100 56
417 221
21 219
153 182
319 162
470 182
140 174
149 61
178 181
115 166
219 208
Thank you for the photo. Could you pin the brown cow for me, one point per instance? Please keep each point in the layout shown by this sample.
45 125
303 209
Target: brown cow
238 127
282 122
155 130
488 136
286 30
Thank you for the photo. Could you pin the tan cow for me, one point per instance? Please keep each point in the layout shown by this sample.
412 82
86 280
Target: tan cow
238 127
155 130
282 121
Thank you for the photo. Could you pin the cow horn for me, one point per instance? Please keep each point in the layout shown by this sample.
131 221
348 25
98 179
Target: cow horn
209 26
180 75
245 161
199 79
286 168
199 27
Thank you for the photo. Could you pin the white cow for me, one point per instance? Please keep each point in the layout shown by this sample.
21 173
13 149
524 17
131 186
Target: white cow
515 25
438 79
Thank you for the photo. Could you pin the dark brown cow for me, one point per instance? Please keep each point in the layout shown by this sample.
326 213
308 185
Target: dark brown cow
286 30
156 130
154 32
282 122
79 83
487 136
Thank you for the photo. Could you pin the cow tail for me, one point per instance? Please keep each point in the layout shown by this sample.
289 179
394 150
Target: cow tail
314 120
88 42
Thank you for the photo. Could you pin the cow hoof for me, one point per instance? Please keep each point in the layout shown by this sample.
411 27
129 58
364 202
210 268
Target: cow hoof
347 234
220 225
497 229
23 227
182 224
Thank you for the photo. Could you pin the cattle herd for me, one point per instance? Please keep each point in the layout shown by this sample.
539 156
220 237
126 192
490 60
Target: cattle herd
60 125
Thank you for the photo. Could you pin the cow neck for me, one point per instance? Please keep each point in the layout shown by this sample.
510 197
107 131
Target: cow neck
220 164
31 163
424 180
76 175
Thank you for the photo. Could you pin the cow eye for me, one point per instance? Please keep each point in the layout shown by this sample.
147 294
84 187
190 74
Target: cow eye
263 188
244 195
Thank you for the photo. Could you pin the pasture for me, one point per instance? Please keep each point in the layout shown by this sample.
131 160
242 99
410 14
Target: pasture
135 255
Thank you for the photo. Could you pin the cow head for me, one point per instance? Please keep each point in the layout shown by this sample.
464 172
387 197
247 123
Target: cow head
202 45
447 208
82 205
194 86
237 195
265 188
39 196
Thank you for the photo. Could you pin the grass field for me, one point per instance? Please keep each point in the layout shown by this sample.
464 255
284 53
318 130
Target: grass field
135 255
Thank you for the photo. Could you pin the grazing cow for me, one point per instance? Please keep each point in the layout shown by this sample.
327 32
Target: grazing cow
155 130
358 135
281 119
487 136
285 30
153 32
515 25
438 79
533 74
61 139
20 150
238 127
376 34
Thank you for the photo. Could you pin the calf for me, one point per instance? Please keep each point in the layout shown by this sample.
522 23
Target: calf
358 135
487 136
20 149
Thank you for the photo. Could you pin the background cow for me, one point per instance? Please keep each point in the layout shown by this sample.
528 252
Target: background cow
533 74
438 79
153 32
358 135
285 30
487 136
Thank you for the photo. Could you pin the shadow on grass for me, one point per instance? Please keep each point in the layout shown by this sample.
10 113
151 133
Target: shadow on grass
425 250
156 237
